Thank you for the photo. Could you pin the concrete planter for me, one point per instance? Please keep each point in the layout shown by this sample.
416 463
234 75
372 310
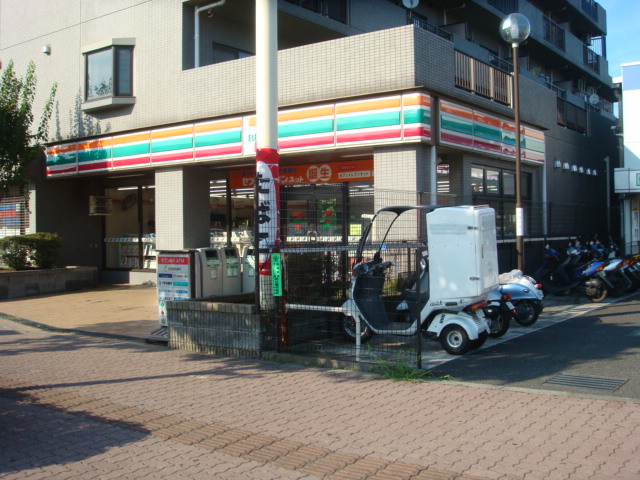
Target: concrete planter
25 283
232 329
226 326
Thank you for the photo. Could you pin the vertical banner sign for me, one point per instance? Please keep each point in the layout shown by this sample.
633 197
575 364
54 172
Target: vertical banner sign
276 275
268 206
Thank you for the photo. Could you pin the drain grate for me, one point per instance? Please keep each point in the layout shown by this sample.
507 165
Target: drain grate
606 384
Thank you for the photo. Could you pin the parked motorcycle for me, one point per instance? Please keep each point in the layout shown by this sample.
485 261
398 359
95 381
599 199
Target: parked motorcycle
620 272
525 294
499 310
576 274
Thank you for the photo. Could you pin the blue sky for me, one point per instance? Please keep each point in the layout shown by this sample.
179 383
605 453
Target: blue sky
623 33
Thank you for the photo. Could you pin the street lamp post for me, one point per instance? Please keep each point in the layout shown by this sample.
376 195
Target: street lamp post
515 29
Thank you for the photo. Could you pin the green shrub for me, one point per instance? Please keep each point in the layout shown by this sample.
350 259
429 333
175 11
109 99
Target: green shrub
38 250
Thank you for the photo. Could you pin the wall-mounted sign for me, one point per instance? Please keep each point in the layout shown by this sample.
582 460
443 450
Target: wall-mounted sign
357 170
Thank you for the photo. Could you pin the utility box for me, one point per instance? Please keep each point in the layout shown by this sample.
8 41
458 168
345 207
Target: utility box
232 282
248 270
463 254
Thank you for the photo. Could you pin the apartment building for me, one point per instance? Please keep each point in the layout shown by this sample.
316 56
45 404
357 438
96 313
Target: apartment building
627 177
152 141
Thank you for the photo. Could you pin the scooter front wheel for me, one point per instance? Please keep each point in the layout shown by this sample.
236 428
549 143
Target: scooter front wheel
349 329
454 340
598 295
499 321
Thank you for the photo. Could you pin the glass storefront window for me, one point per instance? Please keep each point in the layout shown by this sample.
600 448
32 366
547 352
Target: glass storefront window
444 184
492 181
509 183
497 188
477 180
130 229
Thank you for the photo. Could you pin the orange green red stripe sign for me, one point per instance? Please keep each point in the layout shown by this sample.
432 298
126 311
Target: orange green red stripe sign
470 129
372 121
392 119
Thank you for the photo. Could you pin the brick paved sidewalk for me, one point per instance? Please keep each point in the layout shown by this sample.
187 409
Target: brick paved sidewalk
82 408
118 310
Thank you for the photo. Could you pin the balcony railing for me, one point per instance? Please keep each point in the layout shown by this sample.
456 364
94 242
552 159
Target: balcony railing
590 8
505 6
598 45
423 24
590 59
482 79
500 64
560 92
553 33
572 116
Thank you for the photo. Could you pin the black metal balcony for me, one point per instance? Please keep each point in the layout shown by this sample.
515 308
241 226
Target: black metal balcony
590 7
423 24
553 33
590 59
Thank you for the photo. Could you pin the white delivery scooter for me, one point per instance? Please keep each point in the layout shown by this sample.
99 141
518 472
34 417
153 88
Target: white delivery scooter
446 302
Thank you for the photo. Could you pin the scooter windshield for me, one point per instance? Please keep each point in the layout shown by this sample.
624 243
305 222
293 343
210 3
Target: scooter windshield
380 226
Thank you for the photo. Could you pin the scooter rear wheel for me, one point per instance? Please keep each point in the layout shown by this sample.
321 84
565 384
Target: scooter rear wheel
619 286
349 329
454 340
482 337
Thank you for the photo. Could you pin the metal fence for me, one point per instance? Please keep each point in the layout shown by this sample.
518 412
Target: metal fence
320 229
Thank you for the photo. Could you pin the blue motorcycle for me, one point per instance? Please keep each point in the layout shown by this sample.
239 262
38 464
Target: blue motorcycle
575 274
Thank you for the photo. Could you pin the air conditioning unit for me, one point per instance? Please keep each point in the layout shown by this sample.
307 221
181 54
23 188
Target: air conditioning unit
100 205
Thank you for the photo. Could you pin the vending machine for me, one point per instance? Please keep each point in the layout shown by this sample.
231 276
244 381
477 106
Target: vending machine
209 274
248 270
232 282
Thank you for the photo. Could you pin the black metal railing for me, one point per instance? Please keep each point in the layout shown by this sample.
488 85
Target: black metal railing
572 116
553 33
423 24
500 63
590 8
590 59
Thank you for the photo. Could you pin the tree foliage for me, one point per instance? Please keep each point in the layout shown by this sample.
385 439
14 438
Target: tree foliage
19 144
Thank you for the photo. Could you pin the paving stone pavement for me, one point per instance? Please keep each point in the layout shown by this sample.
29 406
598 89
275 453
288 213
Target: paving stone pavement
77 407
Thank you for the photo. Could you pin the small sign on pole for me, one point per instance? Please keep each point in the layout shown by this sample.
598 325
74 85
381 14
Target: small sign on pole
276 275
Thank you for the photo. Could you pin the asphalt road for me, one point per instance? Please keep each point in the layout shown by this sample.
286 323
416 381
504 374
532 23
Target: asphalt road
596 353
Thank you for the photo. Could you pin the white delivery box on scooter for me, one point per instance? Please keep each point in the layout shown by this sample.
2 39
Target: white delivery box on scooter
463 256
